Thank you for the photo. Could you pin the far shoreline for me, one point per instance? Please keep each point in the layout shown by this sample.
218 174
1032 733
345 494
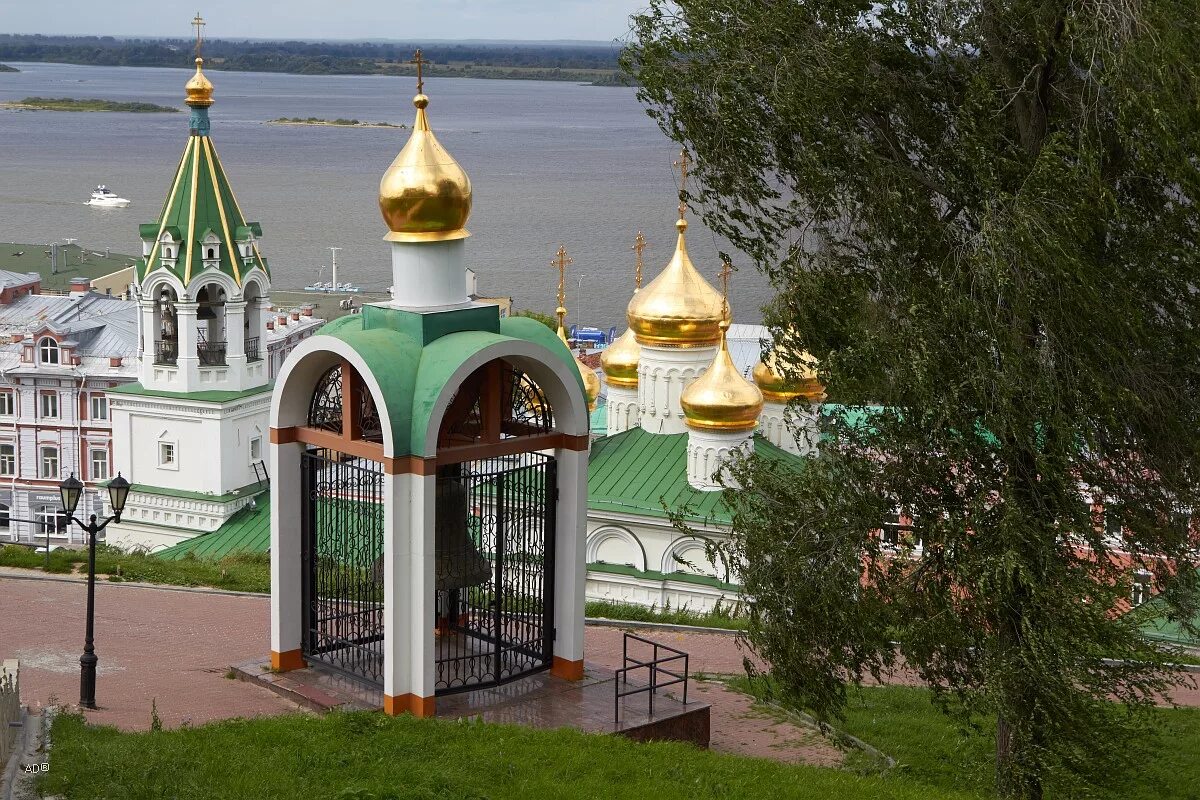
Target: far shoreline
329 123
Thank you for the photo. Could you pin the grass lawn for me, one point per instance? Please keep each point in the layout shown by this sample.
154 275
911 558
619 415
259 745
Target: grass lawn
934 751
245 572
370 756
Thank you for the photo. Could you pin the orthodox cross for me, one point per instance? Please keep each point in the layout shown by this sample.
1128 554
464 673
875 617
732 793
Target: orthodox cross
198 23
420 61
726 271
639 244
561 261
683 164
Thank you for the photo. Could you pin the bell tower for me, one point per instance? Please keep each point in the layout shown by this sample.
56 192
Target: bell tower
191 433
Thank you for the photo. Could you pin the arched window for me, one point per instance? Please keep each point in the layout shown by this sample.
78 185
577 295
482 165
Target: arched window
212 253
49 350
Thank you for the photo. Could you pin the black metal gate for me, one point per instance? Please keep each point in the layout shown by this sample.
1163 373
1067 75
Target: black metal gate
494 571
343 563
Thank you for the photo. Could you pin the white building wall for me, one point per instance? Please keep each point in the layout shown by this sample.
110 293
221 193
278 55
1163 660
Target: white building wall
663 374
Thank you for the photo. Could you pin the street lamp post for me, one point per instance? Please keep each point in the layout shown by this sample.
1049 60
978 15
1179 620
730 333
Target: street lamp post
71 489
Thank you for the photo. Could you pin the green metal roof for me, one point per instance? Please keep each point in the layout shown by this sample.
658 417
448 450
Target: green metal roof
635 472
205 396
200 200
599 420
247 531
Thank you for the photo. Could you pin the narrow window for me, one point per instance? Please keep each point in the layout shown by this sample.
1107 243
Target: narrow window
99 464
50 405
99 406
50 463
166 454
8 459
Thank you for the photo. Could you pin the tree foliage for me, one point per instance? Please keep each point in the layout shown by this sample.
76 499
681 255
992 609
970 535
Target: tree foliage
982 215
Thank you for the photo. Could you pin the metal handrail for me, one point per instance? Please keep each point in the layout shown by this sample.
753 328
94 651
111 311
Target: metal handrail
252 353
654 665
211 354
166 352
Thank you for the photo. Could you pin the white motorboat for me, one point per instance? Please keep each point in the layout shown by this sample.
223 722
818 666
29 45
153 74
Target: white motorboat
106 198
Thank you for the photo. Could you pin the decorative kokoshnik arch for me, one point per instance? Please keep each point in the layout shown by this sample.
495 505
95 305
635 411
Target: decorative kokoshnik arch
434 538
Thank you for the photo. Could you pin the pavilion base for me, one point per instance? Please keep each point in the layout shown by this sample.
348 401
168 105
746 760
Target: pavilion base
542 700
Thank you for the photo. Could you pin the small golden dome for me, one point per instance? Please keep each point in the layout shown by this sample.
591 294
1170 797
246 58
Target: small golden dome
591 381
721 399
678 308
425 196
777 388
199 90
620 360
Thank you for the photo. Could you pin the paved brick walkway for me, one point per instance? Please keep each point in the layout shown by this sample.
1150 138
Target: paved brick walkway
174 647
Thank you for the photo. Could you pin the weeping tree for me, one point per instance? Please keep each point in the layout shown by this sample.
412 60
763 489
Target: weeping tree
980 216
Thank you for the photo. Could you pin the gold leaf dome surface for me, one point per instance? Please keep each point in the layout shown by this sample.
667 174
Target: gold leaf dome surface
679 308
424 195
591 381
198 89
721 399
620 360
778 388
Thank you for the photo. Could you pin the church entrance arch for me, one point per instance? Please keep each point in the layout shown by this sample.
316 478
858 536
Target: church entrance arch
342 528
494 532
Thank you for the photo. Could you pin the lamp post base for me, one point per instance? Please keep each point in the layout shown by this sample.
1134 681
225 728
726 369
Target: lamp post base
87 680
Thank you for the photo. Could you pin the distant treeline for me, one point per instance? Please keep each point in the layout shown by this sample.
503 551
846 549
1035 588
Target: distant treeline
537 61
7 68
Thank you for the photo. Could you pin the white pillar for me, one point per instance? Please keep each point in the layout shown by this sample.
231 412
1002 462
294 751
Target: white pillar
286 564
429 274
189 361
708 451
149 337
792 429
623 412
235 342
570 571
409 671
663 374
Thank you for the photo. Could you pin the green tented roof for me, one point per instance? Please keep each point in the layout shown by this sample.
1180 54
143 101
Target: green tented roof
247 531
635 472
200 199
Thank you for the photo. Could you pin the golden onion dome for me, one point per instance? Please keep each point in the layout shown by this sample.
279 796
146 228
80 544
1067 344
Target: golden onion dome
620 360
198 89
721 399
591 381
777 388
425 196
679 308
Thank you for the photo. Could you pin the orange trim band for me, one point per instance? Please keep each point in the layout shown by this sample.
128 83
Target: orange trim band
413 704
287 660
567 670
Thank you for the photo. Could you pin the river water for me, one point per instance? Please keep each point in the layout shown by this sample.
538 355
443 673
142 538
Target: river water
550 163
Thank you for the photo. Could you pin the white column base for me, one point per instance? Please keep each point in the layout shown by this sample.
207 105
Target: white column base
623 410
663 374
707 453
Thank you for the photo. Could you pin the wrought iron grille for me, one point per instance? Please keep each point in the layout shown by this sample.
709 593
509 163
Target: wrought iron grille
211 354
325 408
343 563
494 570
166 352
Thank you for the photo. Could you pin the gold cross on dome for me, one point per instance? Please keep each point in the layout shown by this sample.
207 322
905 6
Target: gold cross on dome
420 61
198 23
726 271
562 261
639 244
683 163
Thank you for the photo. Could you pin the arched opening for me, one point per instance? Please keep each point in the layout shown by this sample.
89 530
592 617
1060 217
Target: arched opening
494 531
253 325
210 325
343 527
166 327
212 253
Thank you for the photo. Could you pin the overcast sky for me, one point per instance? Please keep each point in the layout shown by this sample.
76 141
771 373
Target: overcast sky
405 20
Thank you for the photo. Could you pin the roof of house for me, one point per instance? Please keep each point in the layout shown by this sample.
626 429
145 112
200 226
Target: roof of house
9 278
100 326
248 530
635 472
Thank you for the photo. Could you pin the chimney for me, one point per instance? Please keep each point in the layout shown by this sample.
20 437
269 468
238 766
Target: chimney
270 324
76 361
16 337
295 315
115 361
306 311
80 286
282 319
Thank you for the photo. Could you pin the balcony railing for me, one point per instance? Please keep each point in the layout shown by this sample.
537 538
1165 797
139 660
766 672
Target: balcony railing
211 354
166 352
252 352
